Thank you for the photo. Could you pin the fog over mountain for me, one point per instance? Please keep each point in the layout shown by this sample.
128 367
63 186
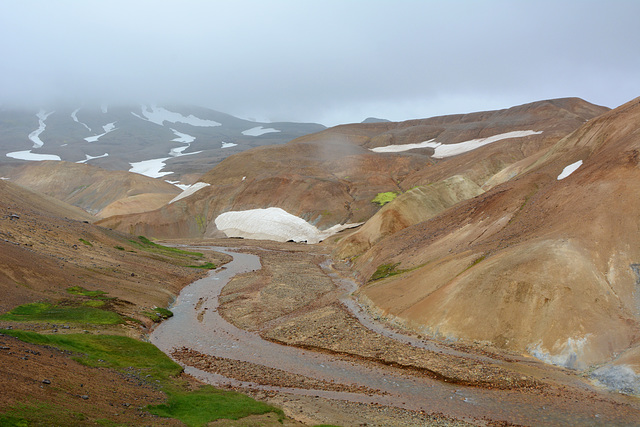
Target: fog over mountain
329 62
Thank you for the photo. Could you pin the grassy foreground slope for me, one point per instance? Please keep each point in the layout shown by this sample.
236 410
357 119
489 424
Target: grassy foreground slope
76 298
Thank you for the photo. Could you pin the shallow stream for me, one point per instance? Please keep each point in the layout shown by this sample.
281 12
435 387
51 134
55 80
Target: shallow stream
197 325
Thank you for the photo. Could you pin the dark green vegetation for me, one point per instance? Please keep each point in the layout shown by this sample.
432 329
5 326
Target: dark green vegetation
158 314
71 313
179 256
386 270
86 242
149 246
205 266
194 408
40 414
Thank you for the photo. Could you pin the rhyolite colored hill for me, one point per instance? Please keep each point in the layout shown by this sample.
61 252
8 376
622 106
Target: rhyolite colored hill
331 177
546 263
98 191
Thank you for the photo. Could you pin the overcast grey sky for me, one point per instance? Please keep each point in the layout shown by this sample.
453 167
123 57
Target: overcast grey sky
323 61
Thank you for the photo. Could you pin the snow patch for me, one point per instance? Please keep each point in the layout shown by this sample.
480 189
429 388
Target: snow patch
273 224
88 157
160 115
228 144
109 127
150 168
449 150
189 191
258 130
75 119
28 155
568 170
569 357
104 108
183 137
35 135
177 184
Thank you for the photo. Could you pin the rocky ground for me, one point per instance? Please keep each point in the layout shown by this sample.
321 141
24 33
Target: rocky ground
292 301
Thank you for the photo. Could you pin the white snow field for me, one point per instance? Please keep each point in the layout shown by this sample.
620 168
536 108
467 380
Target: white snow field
568 170
109 127
228 144
189 191
258 130
88 157
449 150
28 155
35 135
273 224
160 115
150 168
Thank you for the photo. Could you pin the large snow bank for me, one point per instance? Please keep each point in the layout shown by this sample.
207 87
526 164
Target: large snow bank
449 150
272 224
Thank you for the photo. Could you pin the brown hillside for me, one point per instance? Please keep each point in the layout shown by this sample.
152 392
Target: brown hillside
536 264
92 188
44 251
331 177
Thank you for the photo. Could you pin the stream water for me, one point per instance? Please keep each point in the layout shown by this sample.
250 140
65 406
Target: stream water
196 324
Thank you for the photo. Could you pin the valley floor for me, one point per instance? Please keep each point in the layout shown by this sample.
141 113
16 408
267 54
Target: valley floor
286 333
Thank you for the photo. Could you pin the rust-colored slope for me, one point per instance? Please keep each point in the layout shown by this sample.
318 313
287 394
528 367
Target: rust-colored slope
331 177
448 181
536 264
91 188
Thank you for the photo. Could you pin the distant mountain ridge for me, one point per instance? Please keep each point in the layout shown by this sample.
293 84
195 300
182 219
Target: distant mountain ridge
176 143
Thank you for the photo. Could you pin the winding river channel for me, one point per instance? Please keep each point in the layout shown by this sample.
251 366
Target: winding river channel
197 325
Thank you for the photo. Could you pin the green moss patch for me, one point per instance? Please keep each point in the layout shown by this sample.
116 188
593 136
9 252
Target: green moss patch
384 198
158 314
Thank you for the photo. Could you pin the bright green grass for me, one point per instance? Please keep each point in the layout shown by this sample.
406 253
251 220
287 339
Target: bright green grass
384 198
199 407
194 408
206 266
79 290
46 312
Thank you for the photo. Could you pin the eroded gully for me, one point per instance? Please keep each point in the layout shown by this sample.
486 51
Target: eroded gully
197 325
